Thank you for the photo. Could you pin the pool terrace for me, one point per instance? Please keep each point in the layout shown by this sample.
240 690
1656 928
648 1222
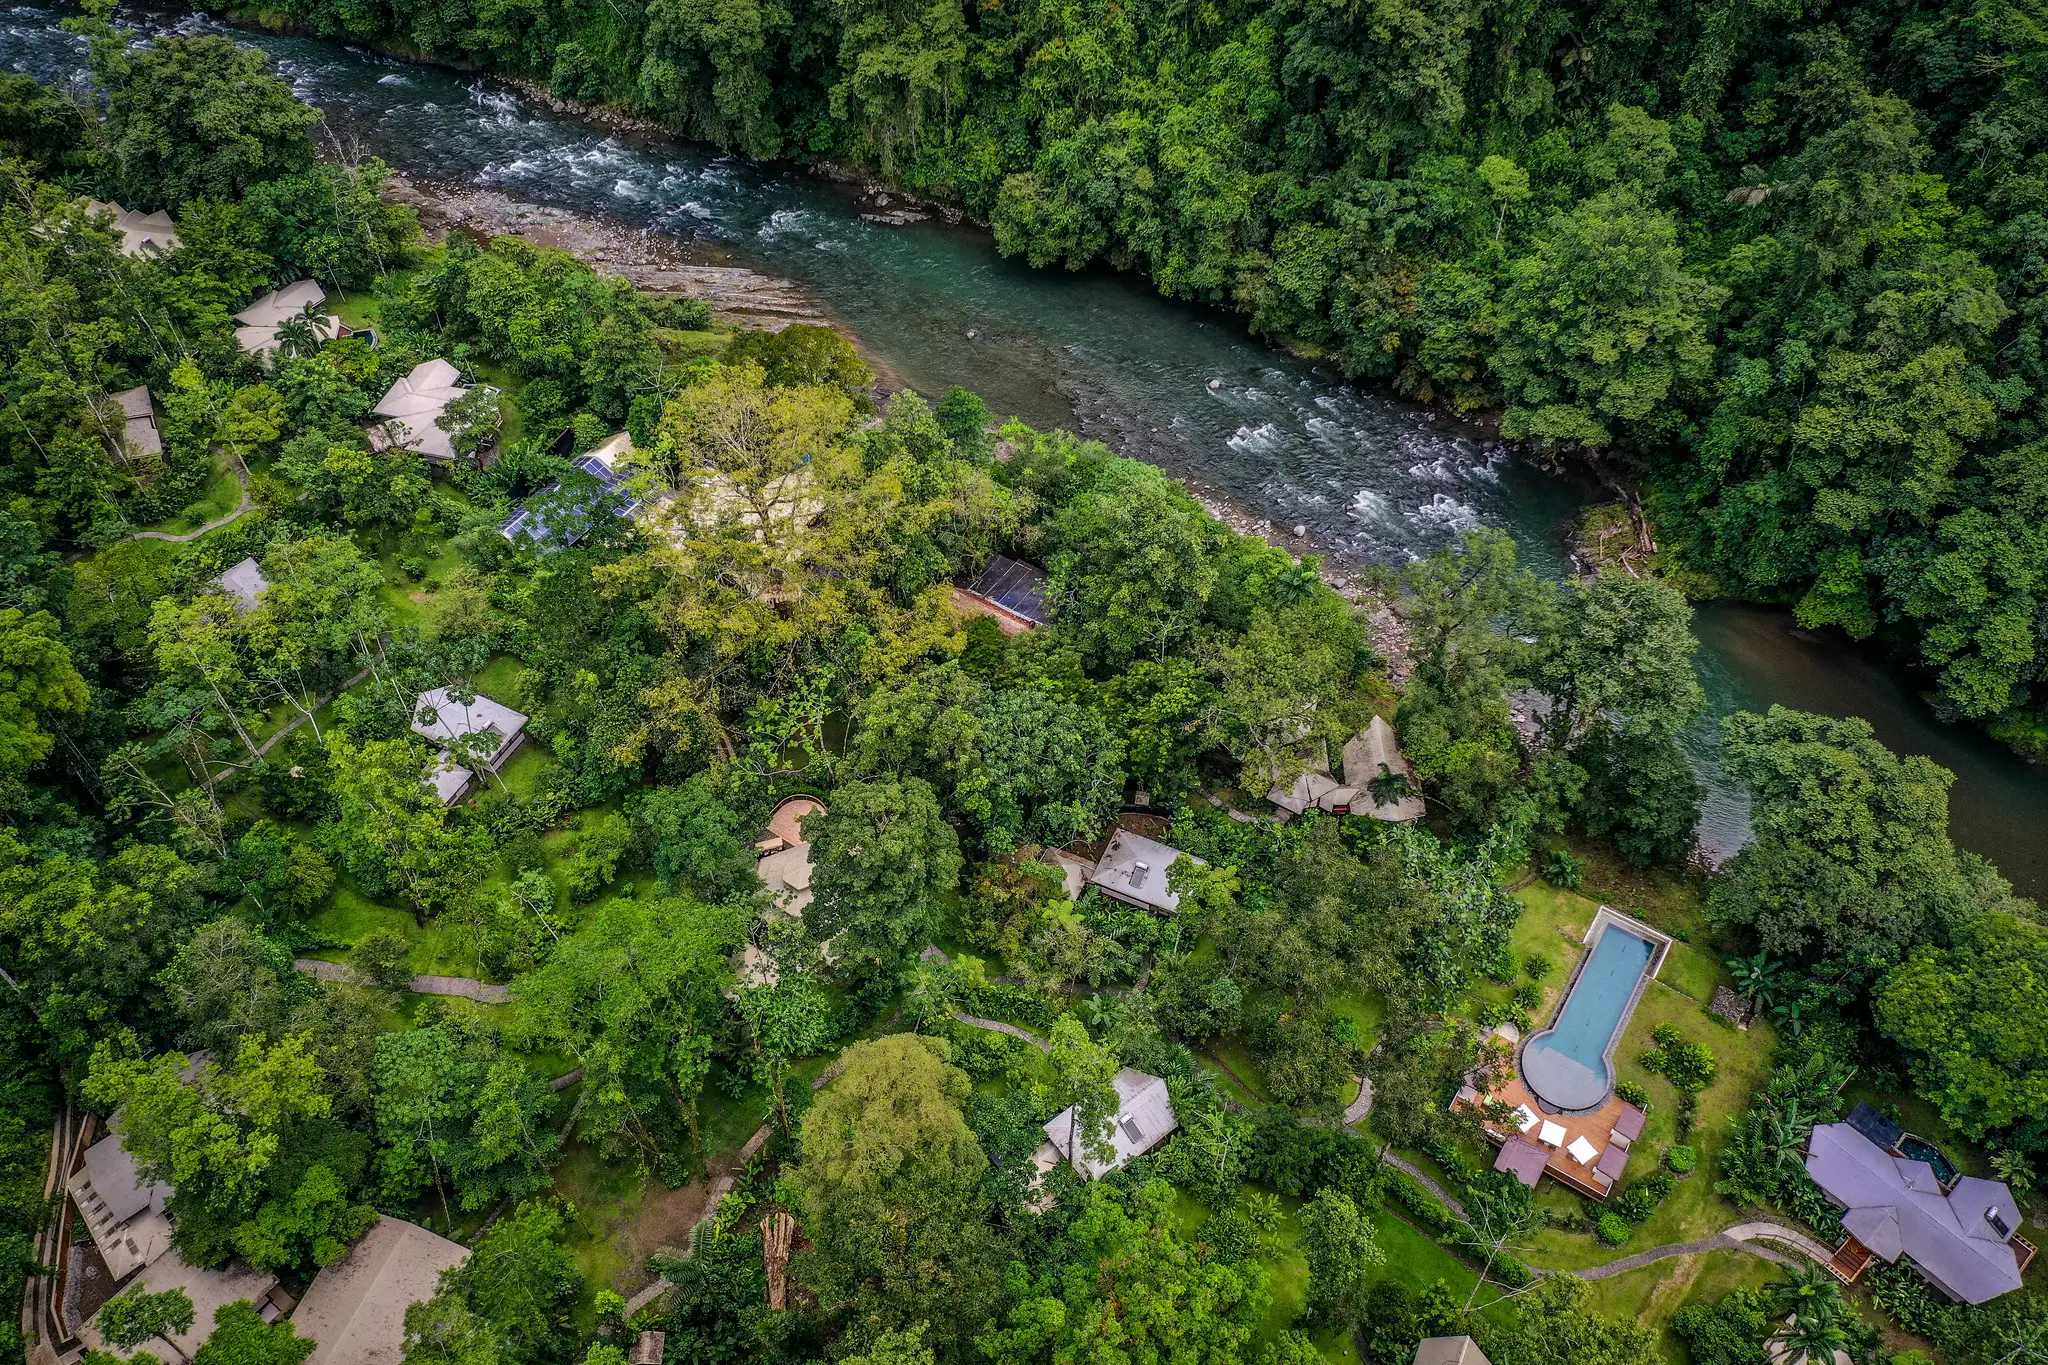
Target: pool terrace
1610 1131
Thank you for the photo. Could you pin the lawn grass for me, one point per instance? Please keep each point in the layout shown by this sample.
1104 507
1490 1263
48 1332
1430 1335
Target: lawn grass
604 1194
439 949
415 602
222 495
1653 1295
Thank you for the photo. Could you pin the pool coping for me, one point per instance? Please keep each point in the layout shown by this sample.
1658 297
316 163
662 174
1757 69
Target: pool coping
1660 949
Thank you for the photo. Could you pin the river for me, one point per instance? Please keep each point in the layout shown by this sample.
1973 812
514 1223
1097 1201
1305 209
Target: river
1367 478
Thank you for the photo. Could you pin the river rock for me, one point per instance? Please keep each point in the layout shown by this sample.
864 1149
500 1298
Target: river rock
651 260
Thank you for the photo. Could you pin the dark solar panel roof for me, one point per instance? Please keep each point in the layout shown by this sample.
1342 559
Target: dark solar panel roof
1014 586
528 519
1875 1126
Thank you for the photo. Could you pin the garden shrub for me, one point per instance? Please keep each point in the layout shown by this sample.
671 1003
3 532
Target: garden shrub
1635 1093
1529 997
1689 1066
1731 1332
380 956
1681 1159
1562 870
1613 1229
1636 1204
598 850
1909 1300
1538 966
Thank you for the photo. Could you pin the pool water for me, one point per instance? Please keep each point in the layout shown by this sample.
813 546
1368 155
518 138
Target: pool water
1919 1149
1566 1065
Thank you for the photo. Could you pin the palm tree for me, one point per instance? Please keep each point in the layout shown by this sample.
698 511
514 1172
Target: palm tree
1812 1339
1806 1291
2012 1166
1388 787
299 334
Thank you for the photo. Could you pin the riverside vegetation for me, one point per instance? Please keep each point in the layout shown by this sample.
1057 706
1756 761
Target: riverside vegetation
195 796
1776 266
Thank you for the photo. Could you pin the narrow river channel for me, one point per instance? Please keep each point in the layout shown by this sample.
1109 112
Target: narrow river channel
1368 478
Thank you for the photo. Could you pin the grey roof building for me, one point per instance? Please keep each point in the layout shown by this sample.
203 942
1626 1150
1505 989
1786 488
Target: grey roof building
447 720
132 1231
1371 753
1143 1120
1449 1351
1133 870
245 583
413 407
261 321
142 234
355 1309
1961 1241
139 432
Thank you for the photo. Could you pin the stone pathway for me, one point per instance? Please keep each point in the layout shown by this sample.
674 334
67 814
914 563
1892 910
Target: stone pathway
997 1026
1415 1173
246 503
483 992
1362 1105
1747 1237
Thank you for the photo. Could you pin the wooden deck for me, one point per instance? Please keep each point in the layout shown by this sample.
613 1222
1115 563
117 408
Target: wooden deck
1851 1259
1597 1128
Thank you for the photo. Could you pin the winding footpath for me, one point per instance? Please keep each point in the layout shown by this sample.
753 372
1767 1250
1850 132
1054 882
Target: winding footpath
189 536
1749 1237
483 992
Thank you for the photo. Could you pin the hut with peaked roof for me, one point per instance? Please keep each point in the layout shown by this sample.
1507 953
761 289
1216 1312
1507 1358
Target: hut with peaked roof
1374 753
412 409
142 234
258 325
354 1312
438 717
1963 1240
130 1228
245 583
1144 1119
1133 870
141 437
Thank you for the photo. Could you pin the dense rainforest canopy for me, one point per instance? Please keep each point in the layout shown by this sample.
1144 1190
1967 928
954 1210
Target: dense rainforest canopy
234 894
1778 265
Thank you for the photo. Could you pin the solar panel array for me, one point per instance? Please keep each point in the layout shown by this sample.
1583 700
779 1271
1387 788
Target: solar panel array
1014 586
527 520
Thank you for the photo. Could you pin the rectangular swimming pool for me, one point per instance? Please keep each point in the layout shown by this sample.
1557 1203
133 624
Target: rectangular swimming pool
1570 1065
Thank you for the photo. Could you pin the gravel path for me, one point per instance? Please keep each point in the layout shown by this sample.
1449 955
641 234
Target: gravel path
1748 1237
483 992
1415 1173
247 503
997 1026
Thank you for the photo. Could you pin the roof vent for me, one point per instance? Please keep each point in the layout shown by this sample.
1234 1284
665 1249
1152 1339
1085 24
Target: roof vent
1132 1131
1138 871
1997 1221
